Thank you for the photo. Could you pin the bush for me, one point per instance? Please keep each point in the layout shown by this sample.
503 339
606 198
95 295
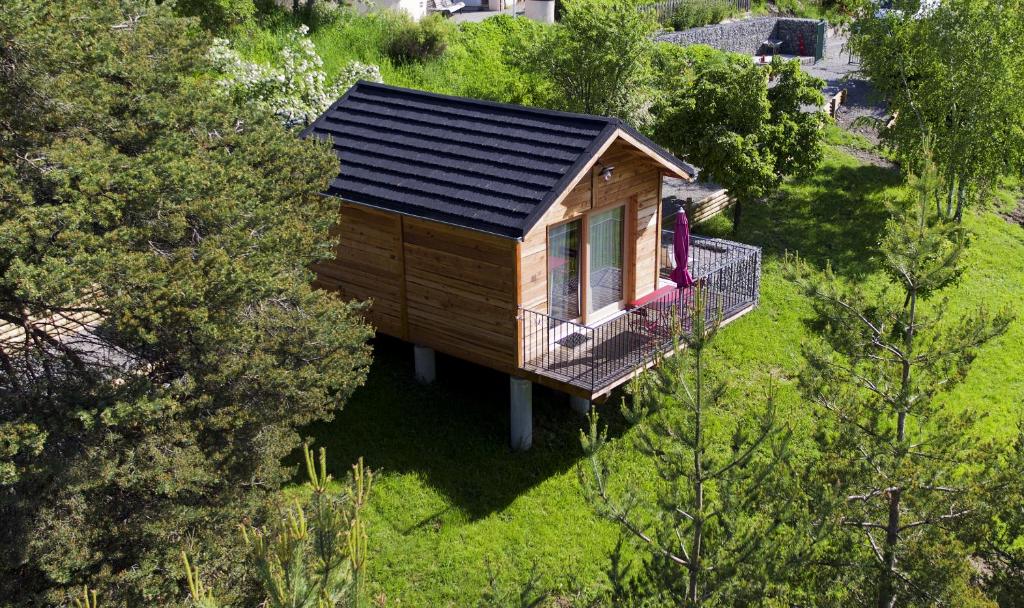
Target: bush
322 14
421 41
486 60
217 15
698 13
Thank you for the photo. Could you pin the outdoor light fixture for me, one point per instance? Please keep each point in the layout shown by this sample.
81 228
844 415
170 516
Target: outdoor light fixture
606 173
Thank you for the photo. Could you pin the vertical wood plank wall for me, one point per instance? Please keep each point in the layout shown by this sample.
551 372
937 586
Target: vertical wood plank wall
447 288
634 175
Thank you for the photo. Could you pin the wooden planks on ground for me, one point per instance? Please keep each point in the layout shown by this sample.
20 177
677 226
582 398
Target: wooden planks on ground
83 316
711 206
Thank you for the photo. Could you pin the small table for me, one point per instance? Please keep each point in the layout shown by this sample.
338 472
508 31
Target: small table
774 44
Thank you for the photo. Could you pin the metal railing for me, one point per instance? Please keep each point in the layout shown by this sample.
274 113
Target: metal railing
727 275
706 254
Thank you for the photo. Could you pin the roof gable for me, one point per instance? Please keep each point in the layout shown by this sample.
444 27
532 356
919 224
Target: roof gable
481 165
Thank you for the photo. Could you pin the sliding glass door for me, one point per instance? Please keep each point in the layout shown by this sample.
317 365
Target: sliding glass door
607 254
565 255
586 258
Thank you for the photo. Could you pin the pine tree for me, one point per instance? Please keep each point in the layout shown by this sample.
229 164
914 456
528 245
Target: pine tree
179 227
719 515
893 461
321 564
999 539
312 556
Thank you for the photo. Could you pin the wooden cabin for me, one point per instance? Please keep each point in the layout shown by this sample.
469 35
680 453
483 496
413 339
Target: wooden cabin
522 239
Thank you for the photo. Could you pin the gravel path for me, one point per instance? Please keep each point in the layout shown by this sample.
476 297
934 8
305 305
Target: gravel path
838 72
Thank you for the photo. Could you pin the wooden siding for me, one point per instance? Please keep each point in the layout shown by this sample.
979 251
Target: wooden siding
368 265
461 292
636 181
448 288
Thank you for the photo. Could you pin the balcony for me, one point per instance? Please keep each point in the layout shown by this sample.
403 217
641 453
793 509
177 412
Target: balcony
599 357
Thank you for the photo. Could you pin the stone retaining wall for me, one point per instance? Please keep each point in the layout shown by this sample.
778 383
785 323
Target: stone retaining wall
798 36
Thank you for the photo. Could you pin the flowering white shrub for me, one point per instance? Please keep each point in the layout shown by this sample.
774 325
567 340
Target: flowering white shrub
297 91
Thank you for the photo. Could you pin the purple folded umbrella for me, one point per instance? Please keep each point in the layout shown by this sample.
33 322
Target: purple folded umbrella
681 248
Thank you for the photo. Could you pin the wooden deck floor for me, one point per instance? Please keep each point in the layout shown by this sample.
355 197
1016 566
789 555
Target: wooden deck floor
614 350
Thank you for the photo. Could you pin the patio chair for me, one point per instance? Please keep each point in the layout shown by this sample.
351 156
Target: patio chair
656 317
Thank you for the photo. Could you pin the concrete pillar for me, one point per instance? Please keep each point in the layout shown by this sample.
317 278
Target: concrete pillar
520 413
541 10
580 405
426 364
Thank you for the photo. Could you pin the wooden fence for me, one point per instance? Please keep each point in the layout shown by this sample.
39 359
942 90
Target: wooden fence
666 8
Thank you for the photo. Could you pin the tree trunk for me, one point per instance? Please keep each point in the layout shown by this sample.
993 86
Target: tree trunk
961 193
950 189
886 585
693 587
950 195
737 210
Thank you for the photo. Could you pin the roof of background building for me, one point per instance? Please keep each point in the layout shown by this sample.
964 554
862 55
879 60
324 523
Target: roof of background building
482 165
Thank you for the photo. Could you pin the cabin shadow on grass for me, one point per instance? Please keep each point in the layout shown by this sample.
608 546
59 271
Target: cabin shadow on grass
453 433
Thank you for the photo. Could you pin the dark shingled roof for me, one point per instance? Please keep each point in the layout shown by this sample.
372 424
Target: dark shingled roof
482 165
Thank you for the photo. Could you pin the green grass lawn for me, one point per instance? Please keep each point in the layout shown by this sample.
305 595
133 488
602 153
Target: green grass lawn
452 503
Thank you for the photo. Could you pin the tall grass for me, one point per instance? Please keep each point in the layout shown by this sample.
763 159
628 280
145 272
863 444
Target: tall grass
480 59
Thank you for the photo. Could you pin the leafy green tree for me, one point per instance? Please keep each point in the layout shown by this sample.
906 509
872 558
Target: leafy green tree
718 111
312 556
952 75
489 64
897 470
598 60
173 231
719 518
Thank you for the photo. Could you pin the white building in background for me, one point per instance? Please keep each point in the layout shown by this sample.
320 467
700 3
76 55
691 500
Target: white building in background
541 10
538 10
416 9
